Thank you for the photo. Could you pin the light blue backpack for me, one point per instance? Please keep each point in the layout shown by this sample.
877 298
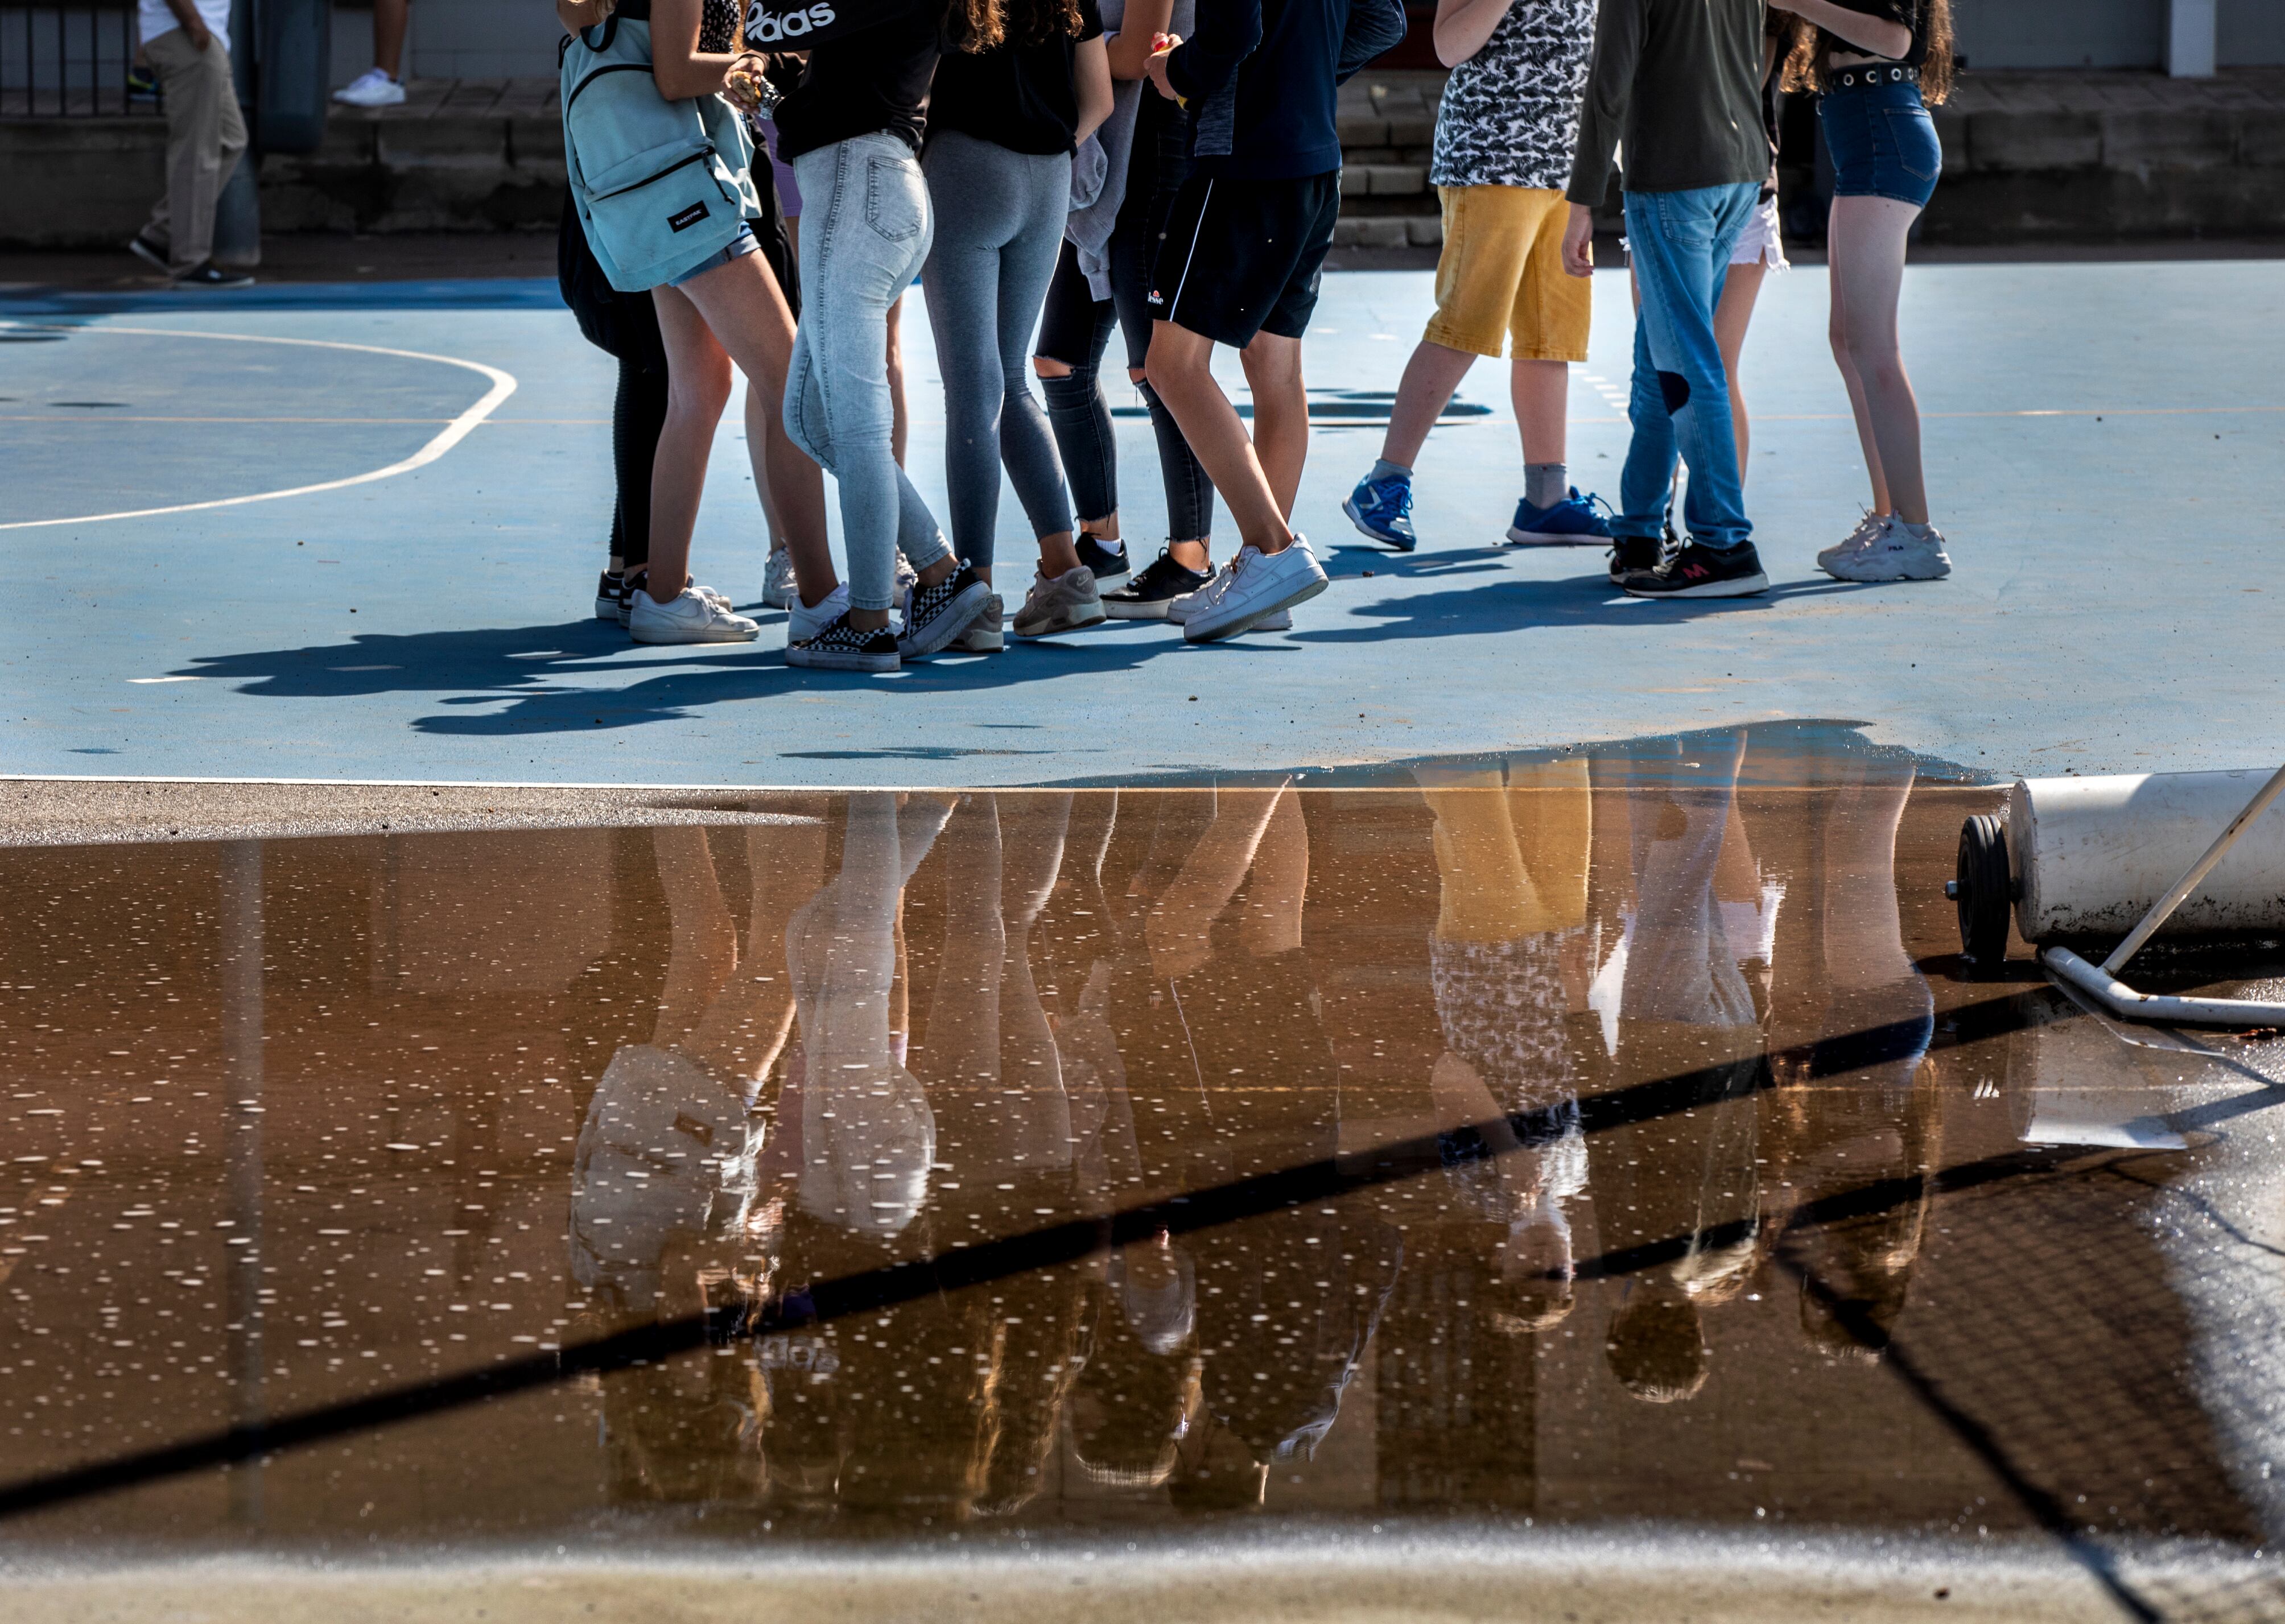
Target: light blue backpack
658 183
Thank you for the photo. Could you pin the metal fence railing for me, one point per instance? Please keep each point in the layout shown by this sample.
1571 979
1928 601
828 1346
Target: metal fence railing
68 58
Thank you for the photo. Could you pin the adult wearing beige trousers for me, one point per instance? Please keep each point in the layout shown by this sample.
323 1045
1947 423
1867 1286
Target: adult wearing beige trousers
186 43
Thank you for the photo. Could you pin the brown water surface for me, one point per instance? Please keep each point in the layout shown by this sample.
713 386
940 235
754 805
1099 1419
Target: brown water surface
1605 1139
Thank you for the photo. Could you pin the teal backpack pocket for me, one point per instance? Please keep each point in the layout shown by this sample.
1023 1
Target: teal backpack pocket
652 188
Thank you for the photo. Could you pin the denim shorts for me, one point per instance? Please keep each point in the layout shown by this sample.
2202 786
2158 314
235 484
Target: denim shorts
741 245
1882 140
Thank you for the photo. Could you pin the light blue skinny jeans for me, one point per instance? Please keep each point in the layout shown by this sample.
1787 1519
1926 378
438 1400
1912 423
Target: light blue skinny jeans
865 230
1679 243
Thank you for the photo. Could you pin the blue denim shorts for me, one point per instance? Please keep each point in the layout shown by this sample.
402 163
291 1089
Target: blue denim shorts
1882 140
742 244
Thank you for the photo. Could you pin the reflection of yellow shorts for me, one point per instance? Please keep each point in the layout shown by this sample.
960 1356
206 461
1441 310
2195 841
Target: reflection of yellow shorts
1502 273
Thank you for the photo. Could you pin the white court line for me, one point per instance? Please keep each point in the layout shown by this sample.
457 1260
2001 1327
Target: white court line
503 385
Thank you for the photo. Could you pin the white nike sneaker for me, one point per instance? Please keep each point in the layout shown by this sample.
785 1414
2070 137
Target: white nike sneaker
1178 611
1855 541
1255 587
778 588
690 616
1901 552
802 624
371 88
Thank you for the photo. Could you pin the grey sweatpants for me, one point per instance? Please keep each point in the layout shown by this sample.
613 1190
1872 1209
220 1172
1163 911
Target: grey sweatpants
999 225
204 138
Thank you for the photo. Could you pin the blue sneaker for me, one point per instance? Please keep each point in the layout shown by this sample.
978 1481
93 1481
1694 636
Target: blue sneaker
1576 520
1383 510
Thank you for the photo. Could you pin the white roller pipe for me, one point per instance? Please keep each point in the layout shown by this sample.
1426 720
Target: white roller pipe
2091 857
2124 1002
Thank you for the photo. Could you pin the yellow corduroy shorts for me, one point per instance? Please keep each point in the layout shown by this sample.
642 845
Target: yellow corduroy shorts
1502 276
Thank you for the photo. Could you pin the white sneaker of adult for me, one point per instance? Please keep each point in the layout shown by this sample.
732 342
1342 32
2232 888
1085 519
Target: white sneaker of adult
803 622
371 88
1178 611
1256 586
690 616
1855 541
779 589
1901 552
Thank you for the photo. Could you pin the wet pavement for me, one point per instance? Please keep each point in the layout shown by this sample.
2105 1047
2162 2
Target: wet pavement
1602 1145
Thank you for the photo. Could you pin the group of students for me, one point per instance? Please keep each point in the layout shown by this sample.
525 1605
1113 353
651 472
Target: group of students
1171 170
1543 95
938 144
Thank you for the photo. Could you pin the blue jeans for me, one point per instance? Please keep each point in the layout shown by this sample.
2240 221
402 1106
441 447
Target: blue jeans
1680 244
864 233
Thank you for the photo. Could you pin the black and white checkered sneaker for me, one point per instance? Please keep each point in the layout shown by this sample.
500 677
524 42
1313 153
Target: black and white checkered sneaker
841 646
934 616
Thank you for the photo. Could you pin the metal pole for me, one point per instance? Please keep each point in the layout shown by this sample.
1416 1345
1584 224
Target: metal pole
2198 871
242 1046
238 211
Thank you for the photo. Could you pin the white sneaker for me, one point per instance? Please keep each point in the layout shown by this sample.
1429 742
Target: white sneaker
1855 541
690 616
1901 552
1178 611
987 633
371 88
1255 587
778 588
802 624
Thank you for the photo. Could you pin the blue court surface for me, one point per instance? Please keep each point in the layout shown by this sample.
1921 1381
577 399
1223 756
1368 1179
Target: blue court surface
319 532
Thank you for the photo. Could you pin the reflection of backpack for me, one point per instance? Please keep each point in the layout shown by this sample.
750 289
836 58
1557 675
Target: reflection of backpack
659 184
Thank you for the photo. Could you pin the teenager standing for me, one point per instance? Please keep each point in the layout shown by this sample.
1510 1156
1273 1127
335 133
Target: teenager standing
188 45
1505 134
1101 285
1876 64
1002 127
1245 246
853 130
1679 82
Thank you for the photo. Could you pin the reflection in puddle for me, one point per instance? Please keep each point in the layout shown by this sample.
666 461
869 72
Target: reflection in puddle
1584 1137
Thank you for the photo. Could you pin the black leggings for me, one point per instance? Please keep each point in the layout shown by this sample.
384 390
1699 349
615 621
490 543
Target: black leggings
638 417
1076 330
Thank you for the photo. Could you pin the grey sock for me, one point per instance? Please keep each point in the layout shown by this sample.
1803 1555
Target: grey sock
1545 483
1382 468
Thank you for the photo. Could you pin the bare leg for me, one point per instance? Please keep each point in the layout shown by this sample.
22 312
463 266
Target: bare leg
741 302
1281 413
1866 251
1179 369
1429 377
1739 288
1857 405
1281 883
702 942
698 386
389 17
900 418
1177 926
1541 392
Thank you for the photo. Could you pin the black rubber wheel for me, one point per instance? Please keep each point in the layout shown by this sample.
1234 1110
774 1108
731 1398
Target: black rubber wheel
1983 891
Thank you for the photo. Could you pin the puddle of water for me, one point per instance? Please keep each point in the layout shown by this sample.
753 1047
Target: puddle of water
1577 1140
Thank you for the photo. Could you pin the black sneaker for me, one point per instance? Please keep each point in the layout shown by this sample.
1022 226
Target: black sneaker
1698 571
142 84
152 254
611 597
211 275
843 648
1629 553
935 615
1146 596
1107 561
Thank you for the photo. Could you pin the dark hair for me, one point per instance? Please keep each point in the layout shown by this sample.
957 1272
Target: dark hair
976 26
1802 54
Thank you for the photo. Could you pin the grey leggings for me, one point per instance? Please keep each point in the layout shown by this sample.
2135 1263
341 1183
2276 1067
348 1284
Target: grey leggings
999 225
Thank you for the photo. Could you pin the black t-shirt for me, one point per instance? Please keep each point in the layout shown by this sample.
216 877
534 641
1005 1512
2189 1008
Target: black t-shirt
1912 13
1020 97
873 81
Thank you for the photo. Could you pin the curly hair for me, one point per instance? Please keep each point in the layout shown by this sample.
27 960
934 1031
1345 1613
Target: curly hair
975 25
1804 48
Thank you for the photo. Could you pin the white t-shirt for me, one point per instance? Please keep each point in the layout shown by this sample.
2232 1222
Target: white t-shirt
157 18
